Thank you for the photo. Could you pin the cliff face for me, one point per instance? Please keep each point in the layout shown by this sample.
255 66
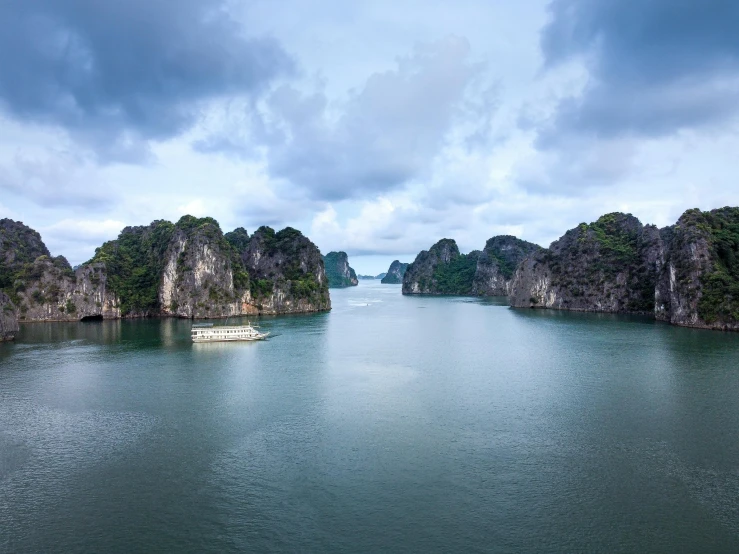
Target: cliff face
497 263
441 270
203 275
338 271
608 266
698 284
287 273
8 318
46 289
53 292
192 270
395 274
189 269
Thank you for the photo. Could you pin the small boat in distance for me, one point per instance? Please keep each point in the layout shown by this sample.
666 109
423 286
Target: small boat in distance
207 332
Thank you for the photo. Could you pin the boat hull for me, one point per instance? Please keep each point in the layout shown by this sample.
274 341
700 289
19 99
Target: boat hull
230 339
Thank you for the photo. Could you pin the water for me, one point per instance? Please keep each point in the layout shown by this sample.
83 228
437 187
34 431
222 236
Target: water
389 424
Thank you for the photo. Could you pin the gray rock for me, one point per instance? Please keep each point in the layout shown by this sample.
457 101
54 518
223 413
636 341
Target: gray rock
497 263
198 274
185 270
608 266
698 283
287 273
8 318
43 288
395 273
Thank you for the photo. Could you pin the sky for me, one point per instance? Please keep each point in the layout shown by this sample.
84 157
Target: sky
375 127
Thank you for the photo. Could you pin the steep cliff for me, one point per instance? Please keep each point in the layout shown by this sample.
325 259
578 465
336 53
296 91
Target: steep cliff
135 264
395 273
43 288
338 271
191 269
497 263
8 318
287 273
699 281
188 269
441 270
607 266
203 275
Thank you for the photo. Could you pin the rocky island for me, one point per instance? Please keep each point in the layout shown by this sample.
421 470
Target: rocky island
610 265
395 273
187 269
686 274
338 271
444 270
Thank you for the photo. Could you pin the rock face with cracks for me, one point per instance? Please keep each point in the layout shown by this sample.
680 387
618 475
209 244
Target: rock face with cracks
610 265
686 274
698 285
8 318
42 288
189 269
497 263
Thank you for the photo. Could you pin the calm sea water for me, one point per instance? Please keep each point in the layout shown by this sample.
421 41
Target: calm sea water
389 424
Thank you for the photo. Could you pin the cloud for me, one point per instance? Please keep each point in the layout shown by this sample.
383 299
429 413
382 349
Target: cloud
387 133
577 166
655 67
384 135
76 239
117 74
88 230
55 180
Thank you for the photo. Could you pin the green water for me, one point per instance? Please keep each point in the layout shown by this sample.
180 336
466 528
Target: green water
389 424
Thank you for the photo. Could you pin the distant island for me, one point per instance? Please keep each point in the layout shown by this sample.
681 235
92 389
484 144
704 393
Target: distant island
371 277
444 270
338 271
188 269
395 273
686 274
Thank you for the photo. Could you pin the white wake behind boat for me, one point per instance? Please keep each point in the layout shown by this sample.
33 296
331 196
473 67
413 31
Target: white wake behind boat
207 332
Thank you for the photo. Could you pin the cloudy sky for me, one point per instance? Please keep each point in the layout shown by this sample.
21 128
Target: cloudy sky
375 127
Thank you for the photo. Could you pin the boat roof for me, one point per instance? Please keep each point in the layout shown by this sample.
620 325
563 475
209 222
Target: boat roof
219 327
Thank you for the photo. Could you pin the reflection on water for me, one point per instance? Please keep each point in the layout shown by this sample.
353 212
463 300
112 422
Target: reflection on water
390 424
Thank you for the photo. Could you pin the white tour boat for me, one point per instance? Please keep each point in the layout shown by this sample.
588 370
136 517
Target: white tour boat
207 332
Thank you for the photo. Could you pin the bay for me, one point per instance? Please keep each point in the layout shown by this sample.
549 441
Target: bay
391 423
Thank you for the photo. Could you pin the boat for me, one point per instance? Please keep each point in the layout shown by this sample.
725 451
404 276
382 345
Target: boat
207 332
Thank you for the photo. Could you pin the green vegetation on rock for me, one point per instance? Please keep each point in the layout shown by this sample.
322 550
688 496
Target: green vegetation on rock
617 240
135 262
720 287
290 261
20 247
238 238
338 271
456 276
